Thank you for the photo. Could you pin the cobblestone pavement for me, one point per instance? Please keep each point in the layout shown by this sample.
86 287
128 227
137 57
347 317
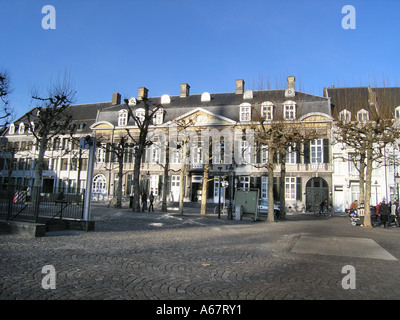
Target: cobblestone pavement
164 256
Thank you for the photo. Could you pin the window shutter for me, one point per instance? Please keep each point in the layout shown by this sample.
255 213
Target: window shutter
298 154
326 150
307 152
108 152
298 189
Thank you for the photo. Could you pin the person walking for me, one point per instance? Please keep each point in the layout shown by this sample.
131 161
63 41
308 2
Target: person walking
151 199
144 201
322 206
383 213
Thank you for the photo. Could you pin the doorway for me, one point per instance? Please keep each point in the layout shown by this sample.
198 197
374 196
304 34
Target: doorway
317 190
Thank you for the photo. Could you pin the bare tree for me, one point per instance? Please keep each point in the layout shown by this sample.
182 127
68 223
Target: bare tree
141 142
50 118
117 149
6 112
367 134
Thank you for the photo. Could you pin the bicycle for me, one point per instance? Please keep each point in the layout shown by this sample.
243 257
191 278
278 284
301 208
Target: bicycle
326 212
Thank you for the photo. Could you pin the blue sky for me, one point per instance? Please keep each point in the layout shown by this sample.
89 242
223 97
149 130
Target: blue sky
118 46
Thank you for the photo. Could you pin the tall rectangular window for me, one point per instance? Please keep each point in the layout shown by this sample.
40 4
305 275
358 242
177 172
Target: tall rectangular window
245 113
290 188
316 151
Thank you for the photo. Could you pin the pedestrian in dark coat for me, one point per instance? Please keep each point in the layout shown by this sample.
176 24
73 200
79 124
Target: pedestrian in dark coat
384 213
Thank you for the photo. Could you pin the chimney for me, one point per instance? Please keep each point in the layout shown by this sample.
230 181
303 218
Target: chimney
185 88
371 97
290 81
142 94
239 86
290 91
116 99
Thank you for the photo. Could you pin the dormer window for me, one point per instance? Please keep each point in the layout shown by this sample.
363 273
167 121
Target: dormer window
363 115
158 117
12 129
267 109
345 116
123 118
31 127
397 113
289 110
245 112
21 128
140 113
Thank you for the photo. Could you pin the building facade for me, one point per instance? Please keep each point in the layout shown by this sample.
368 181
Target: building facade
217 128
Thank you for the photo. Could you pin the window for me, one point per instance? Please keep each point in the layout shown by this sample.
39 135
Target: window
245 112
289 110
244 183
291 156
267 110
218 152
64 164
140 115
101 153
99 184
123 118
12 129
264 154
345 115
158 116
21 128
397 113
176 156
317 151
244 152
56 144
264 187
363 115
290 188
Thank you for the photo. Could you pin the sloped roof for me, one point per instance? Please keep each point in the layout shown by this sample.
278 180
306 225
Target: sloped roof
223 104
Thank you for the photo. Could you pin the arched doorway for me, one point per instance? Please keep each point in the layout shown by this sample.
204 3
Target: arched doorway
317 190
99 187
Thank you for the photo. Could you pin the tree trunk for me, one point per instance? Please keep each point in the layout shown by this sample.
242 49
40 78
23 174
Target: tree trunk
282 205
270 217
367 213
182 175
119 187
136 183
203 209
164 206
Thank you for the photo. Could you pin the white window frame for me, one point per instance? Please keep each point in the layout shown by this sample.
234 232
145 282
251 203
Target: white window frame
363 115
345 115
317 151
123 118
21 128
244 183
11 129
289 110
290 188
158 117
245 112
264 188
397 113
101 154
291 155
140 114
267 110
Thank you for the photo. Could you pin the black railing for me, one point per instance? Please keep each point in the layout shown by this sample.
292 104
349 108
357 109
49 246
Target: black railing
32 205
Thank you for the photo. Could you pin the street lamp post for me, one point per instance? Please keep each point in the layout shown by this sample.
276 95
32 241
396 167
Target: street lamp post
231 173
376 192
219 193
397 181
